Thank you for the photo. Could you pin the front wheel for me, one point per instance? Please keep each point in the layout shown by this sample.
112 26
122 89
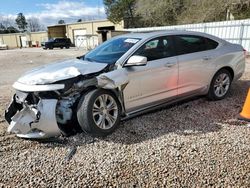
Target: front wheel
220 85
99 112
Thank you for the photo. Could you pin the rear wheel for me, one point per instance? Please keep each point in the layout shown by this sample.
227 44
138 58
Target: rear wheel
220 85
99 112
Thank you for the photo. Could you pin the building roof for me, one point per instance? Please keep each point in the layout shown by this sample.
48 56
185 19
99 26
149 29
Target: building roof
57 25
89 21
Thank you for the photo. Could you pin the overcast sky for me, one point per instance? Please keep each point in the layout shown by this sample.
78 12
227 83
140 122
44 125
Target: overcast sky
50 11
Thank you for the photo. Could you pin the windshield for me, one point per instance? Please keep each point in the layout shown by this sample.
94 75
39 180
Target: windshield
51 40
110 51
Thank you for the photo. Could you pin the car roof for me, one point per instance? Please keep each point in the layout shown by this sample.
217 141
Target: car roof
150 34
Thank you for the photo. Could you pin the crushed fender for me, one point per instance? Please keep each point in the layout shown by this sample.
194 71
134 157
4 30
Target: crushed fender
112 80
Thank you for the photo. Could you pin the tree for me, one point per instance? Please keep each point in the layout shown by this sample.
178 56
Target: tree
34 25
7 25
146 13
2 28
118 10
7 21
160 12
61 22
11 29
21 22
197 11
240 10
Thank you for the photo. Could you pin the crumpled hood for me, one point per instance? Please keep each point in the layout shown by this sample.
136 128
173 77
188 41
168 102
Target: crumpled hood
60 71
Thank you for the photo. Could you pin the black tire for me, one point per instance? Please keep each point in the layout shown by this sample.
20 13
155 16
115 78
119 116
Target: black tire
67 47
61 47
51 47
45 48
212 90
85 113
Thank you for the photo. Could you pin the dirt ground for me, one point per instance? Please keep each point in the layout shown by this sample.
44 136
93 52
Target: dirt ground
196 143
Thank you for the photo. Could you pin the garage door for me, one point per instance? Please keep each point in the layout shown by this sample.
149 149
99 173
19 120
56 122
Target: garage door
80 39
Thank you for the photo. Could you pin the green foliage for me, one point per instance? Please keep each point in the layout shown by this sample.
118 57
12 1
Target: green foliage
159 12
146 13
197 11
241 10
118 10
21 22
9 29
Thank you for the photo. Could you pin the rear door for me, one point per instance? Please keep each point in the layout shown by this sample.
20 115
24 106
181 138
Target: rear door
196 67
155 82
62 42
57 43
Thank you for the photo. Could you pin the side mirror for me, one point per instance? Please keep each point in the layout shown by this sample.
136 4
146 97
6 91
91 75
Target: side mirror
80 57
136 60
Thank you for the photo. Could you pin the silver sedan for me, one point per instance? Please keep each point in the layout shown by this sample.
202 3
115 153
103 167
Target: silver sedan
122 78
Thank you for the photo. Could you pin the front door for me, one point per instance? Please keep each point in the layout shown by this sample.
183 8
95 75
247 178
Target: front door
157 81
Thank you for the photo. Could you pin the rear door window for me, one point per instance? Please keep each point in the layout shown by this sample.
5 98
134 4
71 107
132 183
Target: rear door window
186 44
189 44
211 44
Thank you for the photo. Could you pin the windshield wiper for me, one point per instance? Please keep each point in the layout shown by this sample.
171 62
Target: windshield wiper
88 59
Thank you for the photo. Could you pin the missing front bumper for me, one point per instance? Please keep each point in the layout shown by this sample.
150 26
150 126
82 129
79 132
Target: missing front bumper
33 121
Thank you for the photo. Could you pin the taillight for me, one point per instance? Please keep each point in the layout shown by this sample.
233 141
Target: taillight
245 52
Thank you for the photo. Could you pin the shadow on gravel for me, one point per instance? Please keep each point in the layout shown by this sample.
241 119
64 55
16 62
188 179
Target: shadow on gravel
193 117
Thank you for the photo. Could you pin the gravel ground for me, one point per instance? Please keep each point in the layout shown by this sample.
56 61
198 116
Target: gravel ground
195 143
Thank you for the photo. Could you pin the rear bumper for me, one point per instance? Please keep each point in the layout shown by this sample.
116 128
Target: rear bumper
33 121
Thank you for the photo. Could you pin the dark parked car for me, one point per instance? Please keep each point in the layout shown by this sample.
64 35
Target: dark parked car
57 43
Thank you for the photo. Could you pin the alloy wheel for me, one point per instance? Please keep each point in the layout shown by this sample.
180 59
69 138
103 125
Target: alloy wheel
222 84
105 111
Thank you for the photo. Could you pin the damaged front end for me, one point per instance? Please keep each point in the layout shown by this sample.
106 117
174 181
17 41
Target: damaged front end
43 111
32 117
49 110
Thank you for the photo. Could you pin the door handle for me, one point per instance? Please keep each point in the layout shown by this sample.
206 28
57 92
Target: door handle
206 58
170 64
